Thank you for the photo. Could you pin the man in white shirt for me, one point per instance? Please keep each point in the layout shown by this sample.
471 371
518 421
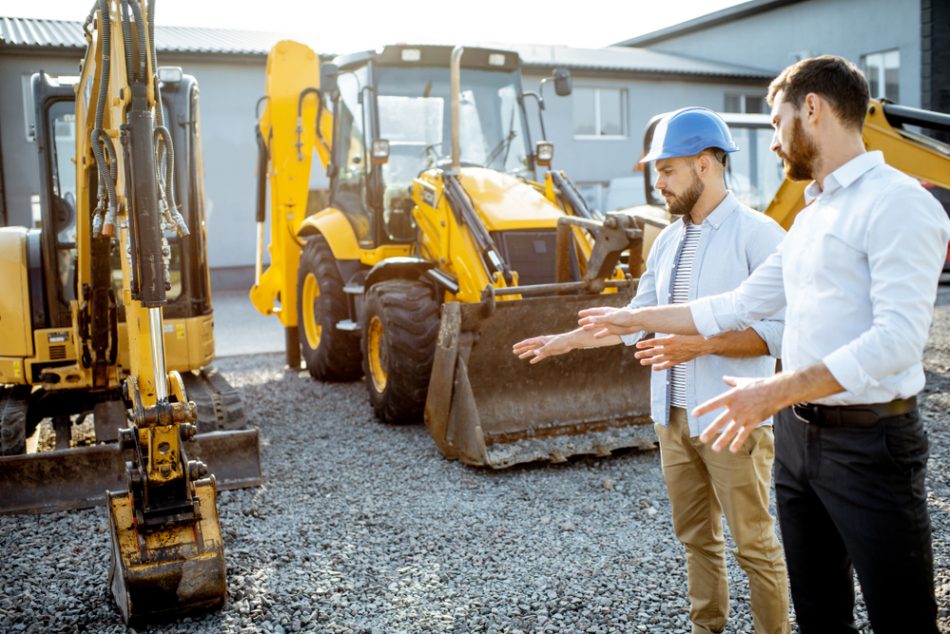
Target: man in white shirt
711 247
857 275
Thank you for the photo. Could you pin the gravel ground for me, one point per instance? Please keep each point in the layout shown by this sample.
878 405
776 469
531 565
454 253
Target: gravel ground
365 528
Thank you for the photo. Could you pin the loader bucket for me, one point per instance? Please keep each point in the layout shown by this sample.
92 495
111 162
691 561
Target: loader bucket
171 571
485 406
79 478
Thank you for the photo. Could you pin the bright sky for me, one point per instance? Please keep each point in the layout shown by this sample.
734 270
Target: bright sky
350 25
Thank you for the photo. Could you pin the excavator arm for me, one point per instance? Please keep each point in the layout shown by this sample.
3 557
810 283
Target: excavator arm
167 555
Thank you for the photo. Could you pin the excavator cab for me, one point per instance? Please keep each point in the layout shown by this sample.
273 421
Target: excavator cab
439 249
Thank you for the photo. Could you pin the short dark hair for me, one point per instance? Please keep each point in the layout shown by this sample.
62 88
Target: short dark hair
834 78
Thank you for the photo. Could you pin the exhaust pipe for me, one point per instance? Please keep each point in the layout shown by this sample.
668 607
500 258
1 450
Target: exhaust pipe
456 87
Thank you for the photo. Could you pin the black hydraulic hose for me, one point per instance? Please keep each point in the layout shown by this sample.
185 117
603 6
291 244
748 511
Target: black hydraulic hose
465 211
142 70
262 158
159 111
573 196
161 136
106 43
310 90
98 138
126 37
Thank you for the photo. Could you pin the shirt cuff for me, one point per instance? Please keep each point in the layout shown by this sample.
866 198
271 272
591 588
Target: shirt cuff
704 317
847 371
766 332
632 338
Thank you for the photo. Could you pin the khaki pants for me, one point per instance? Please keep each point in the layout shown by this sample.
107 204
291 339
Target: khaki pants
703 485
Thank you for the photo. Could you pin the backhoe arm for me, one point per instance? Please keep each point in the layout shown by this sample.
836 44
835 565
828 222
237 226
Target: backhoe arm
921 157
293 125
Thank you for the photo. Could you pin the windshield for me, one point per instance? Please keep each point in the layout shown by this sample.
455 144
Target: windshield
415 116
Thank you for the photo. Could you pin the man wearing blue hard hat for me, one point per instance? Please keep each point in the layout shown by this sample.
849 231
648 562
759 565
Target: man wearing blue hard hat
712 245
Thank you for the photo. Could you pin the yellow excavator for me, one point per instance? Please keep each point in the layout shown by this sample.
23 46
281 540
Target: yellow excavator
106 310
756 174
439 249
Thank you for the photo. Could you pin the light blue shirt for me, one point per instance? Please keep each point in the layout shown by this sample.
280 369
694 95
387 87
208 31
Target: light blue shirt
858 272
735 240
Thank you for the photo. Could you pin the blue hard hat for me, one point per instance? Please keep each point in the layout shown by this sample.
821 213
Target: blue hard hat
687 132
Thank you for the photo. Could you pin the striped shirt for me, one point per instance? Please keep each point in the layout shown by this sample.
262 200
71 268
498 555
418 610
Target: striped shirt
681 277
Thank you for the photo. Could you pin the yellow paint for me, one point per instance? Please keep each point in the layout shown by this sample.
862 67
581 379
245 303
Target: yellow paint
15 321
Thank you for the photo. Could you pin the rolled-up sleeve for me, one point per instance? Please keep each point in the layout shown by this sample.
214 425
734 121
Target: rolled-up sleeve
906 247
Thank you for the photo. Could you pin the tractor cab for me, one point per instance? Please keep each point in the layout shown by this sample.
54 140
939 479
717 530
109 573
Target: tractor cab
392 113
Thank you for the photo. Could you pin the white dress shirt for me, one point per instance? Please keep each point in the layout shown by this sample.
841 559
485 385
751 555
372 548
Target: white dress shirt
857 274
734 240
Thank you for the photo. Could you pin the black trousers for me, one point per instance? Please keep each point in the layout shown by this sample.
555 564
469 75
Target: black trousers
853 498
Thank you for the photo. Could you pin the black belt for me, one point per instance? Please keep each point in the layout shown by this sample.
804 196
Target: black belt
853 415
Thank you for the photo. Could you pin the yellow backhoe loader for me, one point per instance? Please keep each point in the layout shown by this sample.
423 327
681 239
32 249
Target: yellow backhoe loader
106 310
440 248
756 175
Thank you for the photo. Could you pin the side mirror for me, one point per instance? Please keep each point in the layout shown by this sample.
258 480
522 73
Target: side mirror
563 84
380 153
328 78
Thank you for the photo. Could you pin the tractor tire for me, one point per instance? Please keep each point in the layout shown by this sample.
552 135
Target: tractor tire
400 327
13 409
331 354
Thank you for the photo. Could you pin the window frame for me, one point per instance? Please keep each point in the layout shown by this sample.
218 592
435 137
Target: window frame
597 115
882 71
743 102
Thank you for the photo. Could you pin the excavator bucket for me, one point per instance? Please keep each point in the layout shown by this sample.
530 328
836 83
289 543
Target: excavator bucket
171 571
486 406
79 478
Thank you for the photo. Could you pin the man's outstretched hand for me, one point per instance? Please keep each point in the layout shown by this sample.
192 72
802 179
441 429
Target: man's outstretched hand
539 348
748 403
665 352
603 321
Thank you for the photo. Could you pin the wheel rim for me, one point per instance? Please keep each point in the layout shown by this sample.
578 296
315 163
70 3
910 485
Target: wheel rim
374 352
311 324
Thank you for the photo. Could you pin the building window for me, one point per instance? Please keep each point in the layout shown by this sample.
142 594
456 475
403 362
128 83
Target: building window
599 112
883 70
745 103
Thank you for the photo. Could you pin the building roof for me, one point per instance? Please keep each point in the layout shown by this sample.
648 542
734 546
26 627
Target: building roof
709 20
62 35
66 35
637 60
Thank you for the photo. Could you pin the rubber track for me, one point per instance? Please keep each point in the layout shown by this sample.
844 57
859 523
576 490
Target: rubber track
13 409
337 358
219 405
410 315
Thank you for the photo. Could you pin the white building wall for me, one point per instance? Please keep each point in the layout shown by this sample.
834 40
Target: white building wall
850 28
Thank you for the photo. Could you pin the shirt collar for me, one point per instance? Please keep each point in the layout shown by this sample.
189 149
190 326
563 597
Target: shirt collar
845 175
722 211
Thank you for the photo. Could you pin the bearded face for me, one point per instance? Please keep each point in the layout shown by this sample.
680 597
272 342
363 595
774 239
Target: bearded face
799 153
682 202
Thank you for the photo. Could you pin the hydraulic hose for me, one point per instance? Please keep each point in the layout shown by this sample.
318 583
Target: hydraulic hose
98 138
